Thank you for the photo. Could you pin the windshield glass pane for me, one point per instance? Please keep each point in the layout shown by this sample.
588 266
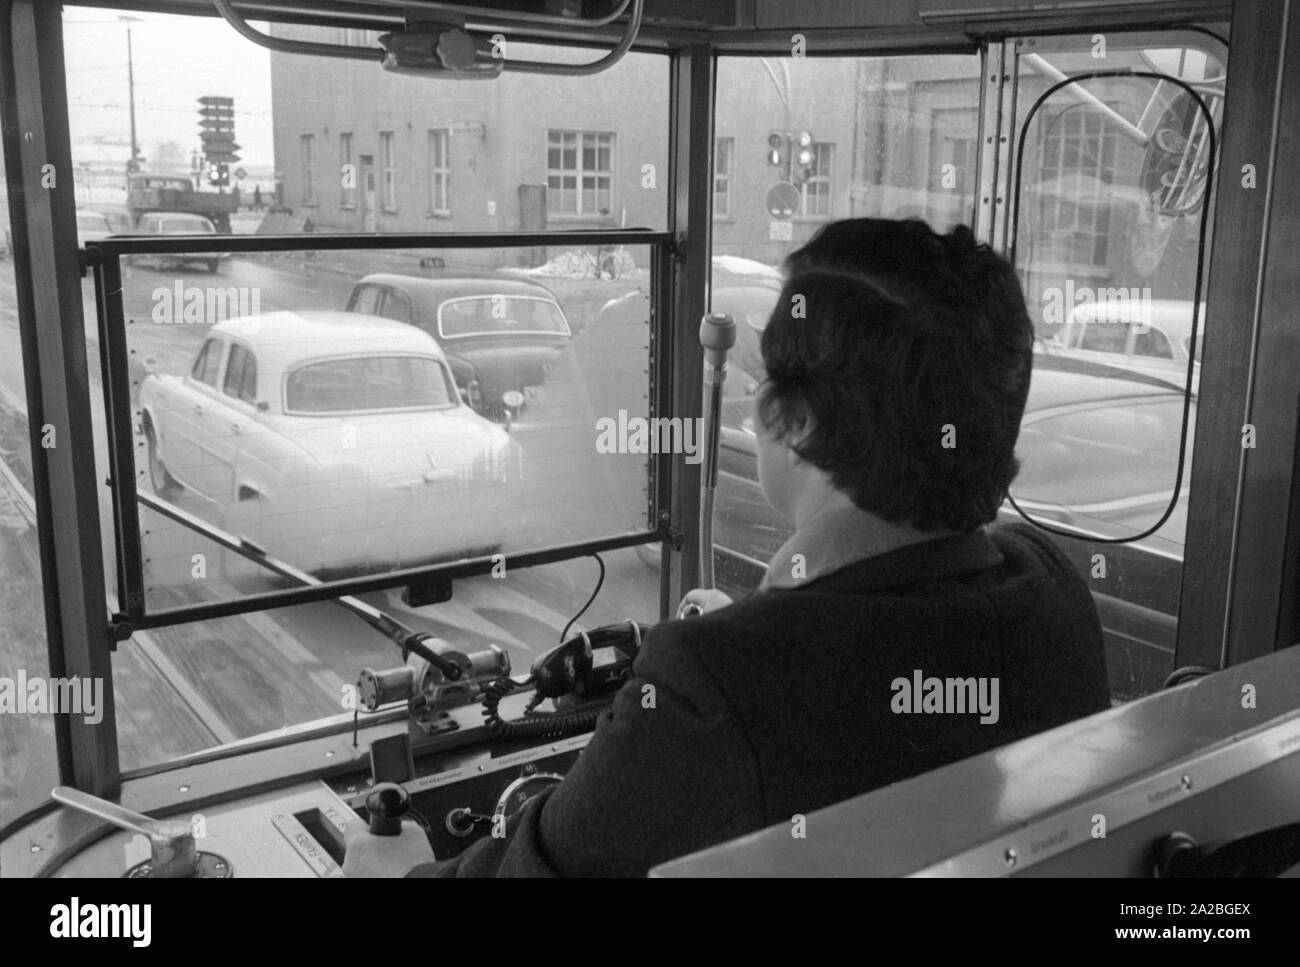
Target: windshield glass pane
367 383
348 435
488 315
1111 230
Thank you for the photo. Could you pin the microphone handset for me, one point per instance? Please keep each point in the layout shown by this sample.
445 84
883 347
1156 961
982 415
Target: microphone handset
578 670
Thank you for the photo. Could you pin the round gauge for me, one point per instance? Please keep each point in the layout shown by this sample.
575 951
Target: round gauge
516 795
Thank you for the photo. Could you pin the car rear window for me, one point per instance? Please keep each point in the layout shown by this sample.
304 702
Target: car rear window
492 314
368 383
187 226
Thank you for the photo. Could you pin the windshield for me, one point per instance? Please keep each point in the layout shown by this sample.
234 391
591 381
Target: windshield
339 441
511 448
367 383
489 315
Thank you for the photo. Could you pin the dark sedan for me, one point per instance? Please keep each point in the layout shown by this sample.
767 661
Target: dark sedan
501 336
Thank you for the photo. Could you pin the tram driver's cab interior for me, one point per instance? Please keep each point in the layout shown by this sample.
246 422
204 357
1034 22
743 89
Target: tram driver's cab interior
388 419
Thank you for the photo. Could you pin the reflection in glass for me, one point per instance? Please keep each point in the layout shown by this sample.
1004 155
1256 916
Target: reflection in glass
891 137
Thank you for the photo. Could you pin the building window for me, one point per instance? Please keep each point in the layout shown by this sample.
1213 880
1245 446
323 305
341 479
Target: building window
1077 149
348 199
579 172
439 171
723 153
389 169
816 191
953 141
308 151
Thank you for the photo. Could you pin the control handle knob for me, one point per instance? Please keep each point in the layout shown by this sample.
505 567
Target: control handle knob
387 803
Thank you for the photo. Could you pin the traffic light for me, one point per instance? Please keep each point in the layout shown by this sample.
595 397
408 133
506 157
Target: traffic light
802 169
775 143
217 130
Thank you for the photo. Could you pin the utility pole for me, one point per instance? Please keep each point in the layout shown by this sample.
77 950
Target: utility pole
133 165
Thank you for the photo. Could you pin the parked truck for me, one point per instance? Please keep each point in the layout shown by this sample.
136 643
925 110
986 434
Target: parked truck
176 193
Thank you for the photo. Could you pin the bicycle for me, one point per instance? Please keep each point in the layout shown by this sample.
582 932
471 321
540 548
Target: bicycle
606 264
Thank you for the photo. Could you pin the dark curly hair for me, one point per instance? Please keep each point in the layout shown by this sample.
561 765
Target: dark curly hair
910 354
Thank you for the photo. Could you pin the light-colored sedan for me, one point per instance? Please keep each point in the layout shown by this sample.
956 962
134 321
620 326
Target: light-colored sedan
1152 337
337 443
177 223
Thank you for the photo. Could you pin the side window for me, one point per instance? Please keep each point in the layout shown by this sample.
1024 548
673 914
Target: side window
1153 342
208 363
1106 337
395 305
241 375
365 299
201 360
248 386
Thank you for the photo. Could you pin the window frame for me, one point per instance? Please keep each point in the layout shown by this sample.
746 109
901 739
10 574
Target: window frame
387 172
579 173
817 180
441 171
724 154
347 196
307 160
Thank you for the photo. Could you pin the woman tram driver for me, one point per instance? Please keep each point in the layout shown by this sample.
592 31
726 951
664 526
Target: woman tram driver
886 432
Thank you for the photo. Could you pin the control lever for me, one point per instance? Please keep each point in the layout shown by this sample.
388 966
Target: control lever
171 841
717 336
387 803
405 638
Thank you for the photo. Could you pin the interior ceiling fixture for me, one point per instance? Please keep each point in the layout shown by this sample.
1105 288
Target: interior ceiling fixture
441 45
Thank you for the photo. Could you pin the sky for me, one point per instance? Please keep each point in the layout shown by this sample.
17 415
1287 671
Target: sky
177 60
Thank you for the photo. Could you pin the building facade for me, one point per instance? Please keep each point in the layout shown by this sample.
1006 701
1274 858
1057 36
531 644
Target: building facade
363 150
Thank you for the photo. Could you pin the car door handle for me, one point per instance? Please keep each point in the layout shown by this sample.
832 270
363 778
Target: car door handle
234 427
198 409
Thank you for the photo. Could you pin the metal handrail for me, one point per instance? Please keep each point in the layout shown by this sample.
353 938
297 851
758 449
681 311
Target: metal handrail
314 49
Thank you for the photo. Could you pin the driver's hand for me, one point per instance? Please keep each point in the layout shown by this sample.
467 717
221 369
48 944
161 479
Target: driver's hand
702 601
369 855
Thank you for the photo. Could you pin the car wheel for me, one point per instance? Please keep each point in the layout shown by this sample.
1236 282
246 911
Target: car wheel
164 484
